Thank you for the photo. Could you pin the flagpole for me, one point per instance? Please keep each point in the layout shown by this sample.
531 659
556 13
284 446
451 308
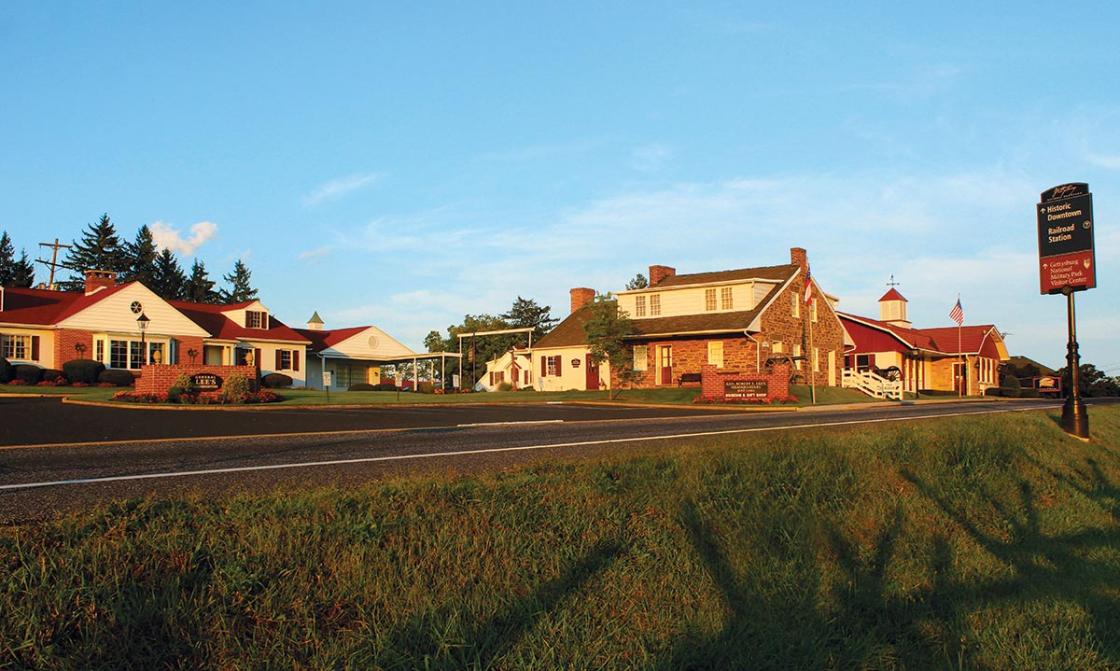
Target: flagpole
964 363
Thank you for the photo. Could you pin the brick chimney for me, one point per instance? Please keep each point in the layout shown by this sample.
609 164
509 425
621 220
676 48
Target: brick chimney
581 296
799 257
658 273
100 279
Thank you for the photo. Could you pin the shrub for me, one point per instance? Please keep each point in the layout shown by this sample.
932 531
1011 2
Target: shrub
362 386
236 389
505 386
426 388
276 381
183 385
28 374
83 370
56 377
991 391
5 371
1009 386
115 377
140 397
1029 393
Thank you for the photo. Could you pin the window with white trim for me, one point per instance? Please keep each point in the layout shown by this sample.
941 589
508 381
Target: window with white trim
118 354
99 350
795 304
639 306
16 346
725 299
153 348
255 319
551 365
813 311
710 300
715 353
817 359
285 358
777 347
796 354
655 305
641 357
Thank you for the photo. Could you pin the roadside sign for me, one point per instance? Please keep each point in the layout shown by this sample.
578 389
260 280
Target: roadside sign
327 379
1066 258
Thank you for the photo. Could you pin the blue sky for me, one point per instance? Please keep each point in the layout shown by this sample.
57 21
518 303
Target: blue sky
405 165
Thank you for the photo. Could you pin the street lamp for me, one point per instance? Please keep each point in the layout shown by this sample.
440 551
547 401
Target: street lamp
142 321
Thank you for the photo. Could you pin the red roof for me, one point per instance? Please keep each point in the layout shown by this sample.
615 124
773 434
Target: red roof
212 319
324 338
893 295
45 307
911 337
971 338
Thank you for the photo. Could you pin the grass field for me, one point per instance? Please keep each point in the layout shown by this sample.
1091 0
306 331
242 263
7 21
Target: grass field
988 542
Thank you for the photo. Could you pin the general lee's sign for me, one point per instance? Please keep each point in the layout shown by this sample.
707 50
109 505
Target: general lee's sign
745 389
1065 239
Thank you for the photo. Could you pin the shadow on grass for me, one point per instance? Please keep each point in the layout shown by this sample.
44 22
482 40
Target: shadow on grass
427 642
869 621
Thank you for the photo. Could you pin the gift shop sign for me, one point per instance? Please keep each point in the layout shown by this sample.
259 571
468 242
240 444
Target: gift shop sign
1065 239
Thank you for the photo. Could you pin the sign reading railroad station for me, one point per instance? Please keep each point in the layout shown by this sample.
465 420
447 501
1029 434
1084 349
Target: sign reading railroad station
1065 239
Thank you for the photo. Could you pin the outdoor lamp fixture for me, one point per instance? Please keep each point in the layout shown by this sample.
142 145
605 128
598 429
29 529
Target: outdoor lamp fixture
142 322
80 348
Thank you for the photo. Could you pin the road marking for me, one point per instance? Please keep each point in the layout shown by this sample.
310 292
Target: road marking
519 448
512 423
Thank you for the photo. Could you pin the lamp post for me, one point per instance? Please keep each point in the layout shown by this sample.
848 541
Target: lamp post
142 322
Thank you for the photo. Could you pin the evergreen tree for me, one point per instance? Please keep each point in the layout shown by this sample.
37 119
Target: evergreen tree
240 285
24 275
639 282
525 313
199 287
142 255
168 280
99 249
7 260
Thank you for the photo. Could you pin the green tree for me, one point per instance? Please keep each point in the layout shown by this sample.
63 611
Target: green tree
525 313
478 350
639 282
24 272
1092 381
607 330
199 287
434 342
99 249
142 255
240 285
7 260
168 280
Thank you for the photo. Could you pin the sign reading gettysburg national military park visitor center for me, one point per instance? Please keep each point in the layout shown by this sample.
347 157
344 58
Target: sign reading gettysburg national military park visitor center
1065 239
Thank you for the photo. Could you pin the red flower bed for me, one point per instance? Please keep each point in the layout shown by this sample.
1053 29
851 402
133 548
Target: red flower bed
200 398
746 401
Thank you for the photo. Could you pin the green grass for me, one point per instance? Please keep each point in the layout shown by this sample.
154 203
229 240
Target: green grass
83 393
315 397
988 542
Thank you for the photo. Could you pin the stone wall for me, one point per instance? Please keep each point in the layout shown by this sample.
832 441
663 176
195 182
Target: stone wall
158 378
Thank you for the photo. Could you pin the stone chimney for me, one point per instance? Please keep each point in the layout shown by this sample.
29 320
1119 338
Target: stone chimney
315 323
659 273
799 257
100 279
581 296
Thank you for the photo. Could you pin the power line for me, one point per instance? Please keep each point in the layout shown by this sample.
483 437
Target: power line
53 263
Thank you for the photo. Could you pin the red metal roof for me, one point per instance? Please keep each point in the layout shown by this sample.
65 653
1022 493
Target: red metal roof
322 339
893 295
44 307
941 339
971 338
212 319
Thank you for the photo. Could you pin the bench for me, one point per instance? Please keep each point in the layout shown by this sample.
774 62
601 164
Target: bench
689 379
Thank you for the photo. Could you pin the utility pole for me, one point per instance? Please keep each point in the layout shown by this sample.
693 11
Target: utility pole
53 263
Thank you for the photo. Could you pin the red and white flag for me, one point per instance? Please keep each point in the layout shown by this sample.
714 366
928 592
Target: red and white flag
808 286
957 313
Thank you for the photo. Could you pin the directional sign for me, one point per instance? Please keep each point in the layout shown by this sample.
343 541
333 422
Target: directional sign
1065 239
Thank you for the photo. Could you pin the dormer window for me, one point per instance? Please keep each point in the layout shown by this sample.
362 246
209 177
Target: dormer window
256 319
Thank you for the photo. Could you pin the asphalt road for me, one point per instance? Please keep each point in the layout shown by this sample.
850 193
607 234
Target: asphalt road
43 482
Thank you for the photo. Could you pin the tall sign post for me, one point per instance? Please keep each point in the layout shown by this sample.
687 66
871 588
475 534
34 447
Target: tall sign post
1067 264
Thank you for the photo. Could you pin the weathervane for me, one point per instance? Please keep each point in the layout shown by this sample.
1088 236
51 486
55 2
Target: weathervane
892 284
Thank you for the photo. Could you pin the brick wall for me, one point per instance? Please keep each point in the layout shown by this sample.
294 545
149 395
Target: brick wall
689 354
159 378
189 343
712 381
64 342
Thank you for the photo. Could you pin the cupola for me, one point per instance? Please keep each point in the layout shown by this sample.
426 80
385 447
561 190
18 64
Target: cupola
892 309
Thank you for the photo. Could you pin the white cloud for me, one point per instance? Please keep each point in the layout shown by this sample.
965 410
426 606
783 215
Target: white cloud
167 236
650 157
337 188
317 253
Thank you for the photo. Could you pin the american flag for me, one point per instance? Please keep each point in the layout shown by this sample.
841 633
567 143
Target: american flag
957 313
808 286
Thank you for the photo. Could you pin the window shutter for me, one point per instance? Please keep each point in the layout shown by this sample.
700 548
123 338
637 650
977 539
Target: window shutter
558 360
34 348
544 366
295 360
279 361
257 359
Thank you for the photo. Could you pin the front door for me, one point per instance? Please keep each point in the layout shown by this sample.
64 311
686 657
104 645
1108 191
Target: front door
665 363
960 385
592 369
832 368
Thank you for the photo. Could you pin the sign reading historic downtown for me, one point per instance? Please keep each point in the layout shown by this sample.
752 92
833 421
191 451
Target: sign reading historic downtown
1066 259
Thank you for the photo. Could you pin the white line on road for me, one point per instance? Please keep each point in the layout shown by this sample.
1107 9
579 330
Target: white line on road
520 448
512 423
